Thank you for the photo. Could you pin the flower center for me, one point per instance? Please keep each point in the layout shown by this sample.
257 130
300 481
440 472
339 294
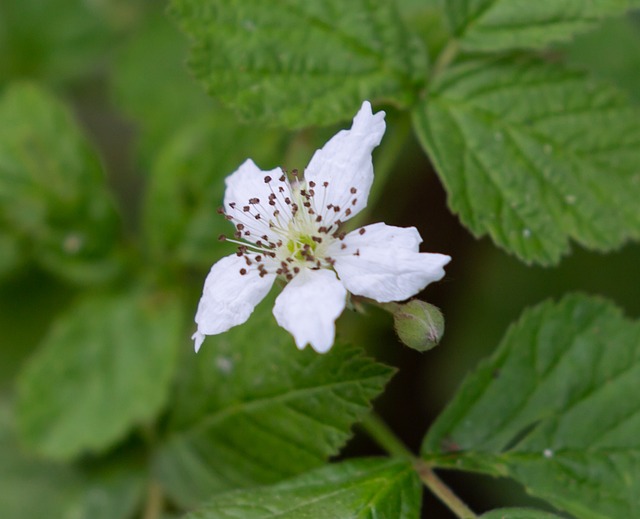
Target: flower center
294 223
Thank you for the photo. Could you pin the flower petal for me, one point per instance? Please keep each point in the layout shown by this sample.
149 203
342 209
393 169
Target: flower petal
308 307
345 163
383 262
228 297
247 195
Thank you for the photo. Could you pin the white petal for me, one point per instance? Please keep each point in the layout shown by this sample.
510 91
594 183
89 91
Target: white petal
345 163
308 307
384 264
228 298
246 185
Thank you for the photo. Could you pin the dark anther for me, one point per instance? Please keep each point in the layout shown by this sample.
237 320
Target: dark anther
343 246
267 179
316 239
318 218
254 201
325 184
354 201
246 208
220 210
240 226
353 190
312 183
232 205
294 172
243 272
296 270
257 216
362 231
228 217
222 237
336 208
282 178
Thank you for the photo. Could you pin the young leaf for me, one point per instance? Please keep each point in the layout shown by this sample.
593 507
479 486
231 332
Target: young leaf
556 408
364 488
32 488
252 410
52 191
518 513
493 25
299 63
534 154
105 367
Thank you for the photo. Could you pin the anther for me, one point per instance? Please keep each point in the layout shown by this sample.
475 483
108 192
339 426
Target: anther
257 216
362 231
353 190
228 217
240 226
243 272
246 208
318 218
296 270
325 184
267 179
343 246
232 205
220 210
282 179
254 201
316 239
222 237
312 183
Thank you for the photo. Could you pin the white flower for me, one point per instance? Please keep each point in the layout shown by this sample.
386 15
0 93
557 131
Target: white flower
289 228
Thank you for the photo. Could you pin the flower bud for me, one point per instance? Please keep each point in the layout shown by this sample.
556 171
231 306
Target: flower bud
419 325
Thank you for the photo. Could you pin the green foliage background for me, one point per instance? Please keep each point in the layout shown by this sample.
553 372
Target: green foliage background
513 144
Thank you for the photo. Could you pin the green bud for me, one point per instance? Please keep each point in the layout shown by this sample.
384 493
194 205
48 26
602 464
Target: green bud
419 325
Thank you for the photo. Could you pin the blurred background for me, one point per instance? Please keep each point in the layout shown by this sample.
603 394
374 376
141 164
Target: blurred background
165 147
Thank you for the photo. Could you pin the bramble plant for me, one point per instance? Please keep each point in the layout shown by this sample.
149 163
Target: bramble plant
523 115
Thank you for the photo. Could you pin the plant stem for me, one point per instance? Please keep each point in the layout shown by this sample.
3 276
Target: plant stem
154 505
445 58
384 436
442 491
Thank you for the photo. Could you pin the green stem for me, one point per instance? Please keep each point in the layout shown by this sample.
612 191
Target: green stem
445 58
155 502
442 491
384 436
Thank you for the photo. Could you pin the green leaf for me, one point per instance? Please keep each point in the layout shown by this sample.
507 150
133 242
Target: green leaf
186 186
365 488
105 367
492 25
299 63
611 52
158 94
32 489
252 410
534 154
57 41
556 408
10 254
518 513
52 192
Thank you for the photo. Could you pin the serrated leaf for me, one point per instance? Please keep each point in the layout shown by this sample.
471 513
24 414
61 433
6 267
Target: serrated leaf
493 25
31 488
52 190
252 410
535 155
518 513
556 408
186 185
104 368
365 488
300 63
